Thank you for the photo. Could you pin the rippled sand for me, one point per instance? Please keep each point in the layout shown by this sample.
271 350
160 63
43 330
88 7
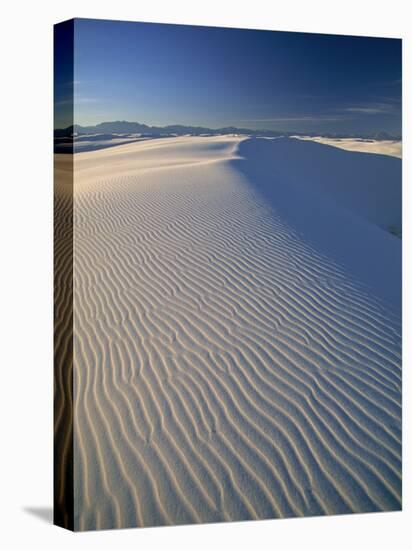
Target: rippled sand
225 366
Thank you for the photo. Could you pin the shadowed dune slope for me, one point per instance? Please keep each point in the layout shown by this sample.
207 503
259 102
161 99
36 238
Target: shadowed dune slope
337 200
229 363
367 184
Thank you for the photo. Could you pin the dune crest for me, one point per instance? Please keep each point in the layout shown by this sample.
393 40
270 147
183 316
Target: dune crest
229 364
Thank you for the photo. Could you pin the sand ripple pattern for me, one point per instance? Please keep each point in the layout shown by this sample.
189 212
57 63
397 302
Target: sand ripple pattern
224 369
63 342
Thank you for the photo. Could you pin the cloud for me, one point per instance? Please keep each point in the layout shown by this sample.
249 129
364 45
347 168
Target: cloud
76 99
340 114
77 82
80 99
303 118
365 110
395 82
372 109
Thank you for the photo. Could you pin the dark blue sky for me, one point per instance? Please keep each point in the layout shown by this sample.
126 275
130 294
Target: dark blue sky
165 74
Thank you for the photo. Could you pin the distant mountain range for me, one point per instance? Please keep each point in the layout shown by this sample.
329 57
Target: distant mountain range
124 127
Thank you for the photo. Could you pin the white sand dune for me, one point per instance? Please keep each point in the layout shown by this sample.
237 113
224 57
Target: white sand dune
236 340
389 147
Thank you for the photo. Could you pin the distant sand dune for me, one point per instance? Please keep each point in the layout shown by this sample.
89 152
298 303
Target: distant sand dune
226 366
388 147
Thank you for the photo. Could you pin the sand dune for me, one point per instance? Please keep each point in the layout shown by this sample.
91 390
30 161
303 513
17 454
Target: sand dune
230 364
388 147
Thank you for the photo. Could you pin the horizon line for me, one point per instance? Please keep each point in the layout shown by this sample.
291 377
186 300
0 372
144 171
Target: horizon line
254 130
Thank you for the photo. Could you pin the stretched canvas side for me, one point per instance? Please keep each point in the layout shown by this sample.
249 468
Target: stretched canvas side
63 277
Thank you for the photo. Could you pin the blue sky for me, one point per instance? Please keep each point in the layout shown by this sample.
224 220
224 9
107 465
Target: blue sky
166 74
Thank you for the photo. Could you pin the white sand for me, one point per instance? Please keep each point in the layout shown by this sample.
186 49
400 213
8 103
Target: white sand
392 148
234 359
